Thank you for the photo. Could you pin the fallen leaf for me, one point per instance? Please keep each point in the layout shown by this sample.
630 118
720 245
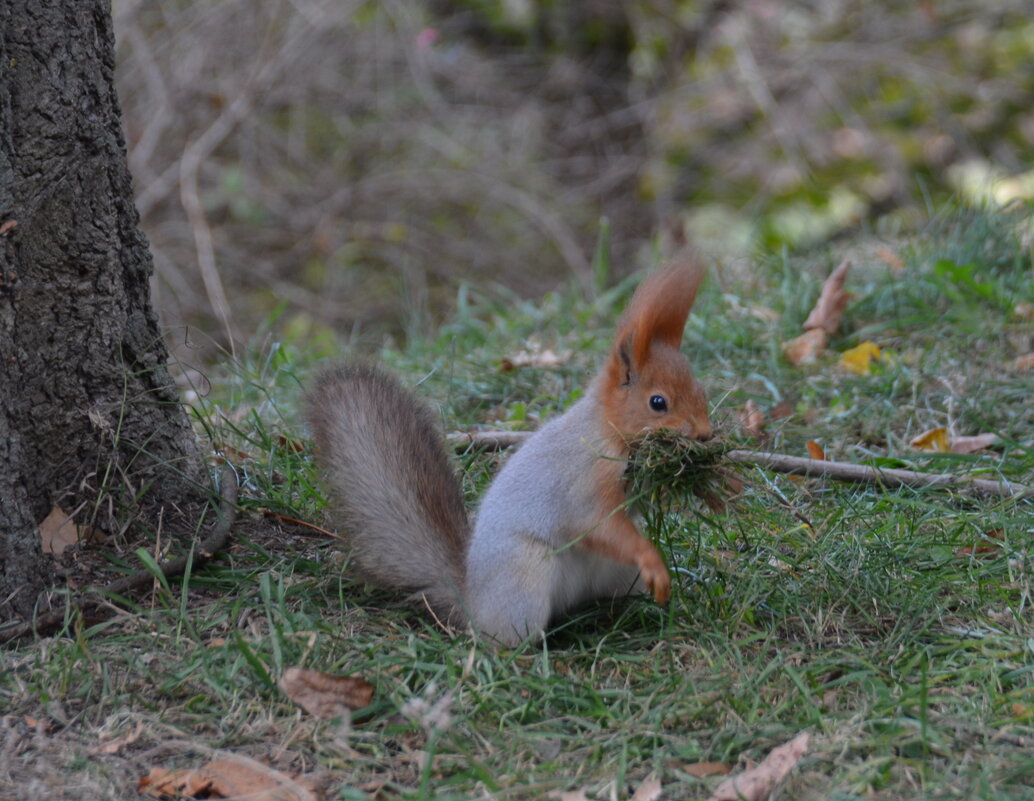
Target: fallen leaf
779 564
224 778
702 770
781 411
984 547
1024 310
293 445
822 322
1024 362
815 451
649 790
829 308
324 695
225 452
860 358
58 532
116 744
806 348
763 313
756 783
7 226
534 356
753 420
974 443
935 440
571 795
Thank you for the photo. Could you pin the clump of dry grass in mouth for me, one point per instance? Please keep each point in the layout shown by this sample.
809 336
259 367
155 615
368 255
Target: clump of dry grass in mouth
666 470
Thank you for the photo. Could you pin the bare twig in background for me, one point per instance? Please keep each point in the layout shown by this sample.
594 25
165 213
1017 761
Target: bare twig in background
356 166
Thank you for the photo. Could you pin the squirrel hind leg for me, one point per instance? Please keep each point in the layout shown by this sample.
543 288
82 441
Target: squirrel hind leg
509 596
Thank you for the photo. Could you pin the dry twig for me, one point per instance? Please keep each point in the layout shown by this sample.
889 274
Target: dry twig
794 465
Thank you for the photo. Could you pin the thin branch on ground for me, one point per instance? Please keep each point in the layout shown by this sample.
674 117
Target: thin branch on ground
794 465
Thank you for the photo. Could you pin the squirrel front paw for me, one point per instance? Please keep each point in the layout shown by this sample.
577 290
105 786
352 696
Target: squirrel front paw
656 578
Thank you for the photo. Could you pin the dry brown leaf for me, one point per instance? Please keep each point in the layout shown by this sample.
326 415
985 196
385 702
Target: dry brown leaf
649 790
815 451
293 445
763 313
831 303
893 260
756 783
116 744
39 724
973 444
571 795
984 547
702 770
806 348
935 440
224 778
58 532
534 357
753 420
1024 310
324 695
7 226
781 411
1024 362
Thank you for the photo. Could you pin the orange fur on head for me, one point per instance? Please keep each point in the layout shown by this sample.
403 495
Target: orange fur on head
656 314
646 364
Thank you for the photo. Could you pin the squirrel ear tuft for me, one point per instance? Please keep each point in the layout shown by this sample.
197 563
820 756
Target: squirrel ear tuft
658 311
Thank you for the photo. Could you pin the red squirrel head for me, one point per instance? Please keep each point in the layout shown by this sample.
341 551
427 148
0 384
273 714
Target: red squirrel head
647 382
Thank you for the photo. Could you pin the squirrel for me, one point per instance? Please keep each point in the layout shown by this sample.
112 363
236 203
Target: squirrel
552 530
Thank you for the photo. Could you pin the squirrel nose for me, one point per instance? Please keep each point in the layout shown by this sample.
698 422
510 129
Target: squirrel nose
701 433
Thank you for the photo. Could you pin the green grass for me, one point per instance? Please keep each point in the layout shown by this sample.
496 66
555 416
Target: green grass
852 612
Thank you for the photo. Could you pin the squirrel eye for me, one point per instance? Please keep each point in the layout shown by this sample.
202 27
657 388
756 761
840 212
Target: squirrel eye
658 403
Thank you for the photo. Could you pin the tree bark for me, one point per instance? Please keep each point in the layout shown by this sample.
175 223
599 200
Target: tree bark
89 416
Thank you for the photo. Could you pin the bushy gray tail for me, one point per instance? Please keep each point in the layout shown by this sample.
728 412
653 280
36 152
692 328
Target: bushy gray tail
393 484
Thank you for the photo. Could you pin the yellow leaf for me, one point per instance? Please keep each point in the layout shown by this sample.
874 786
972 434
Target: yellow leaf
859 359
936 439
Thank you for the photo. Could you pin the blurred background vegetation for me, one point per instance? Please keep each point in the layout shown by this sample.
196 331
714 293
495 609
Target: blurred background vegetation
345 165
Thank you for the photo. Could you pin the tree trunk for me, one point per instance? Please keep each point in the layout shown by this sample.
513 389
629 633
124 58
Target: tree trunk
89 417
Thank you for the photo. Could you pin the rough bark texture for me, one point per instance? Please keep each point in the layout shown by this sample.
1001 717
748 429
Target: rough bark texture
87 407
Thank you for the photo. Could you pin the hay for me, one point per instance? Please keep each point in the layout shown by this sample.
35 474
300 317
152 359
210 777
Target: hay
667 468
